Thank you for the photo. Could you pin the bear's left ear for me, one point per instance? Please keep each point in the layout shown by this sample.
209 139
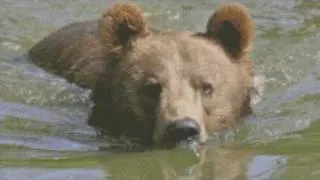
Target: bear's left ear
121 24
232 27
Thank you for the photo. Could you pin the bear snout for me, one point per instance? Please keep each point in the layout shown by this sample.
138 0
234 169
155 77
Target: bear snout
182 130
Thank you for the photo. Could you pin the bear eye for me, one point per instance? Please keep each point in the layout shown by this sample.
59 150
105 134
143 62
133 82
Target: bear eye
207 88
152 89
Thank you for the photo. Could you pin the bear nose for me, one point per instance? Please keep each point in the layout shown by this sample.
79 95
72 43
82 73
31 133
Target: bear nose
186 129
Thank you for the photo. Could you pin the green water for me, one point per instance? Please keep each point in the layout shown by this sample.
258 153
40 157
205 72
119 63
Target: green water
43 134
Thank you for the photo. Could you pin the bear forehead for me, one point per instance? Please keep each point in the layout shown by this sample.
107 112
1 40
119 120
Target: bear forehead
179 52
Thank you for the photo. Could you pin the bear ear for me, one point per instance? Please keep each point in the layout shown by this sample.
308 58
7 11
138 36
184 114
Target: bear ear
232 27
122 23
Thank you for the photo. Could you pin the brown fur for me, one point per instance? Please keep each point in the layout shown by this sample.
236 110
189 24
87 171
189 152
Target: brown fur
73 52
143 80
232 26
120 24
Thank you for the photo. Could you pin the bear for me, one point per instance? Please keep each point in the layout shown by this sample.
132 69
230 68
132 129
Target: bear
158 88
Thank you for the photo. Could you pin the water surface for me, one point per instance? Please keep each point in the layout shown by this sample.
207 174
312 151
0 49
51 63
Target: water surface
43 134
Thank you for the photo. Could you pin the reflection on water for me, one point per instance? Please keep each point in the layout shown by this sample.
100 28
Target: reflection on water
43 134
51 174
214 163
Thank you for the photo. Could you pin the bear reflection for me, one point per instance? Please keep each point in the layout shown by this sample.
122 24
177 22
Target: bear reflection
180 164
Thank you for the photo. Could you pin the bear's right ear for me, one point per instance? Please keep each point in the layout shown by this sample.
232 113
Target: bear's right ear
121 24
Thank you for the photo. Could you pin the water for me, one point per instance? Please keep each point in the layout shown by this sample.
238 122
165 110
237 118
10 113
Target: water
43 134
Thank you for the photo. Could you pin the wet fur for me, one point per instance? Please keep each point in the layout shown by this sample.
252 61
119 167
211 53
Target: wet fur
108 56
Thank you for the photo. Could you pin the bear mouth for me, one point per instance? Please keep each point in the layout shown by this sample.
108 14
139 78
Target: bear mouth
169 142
137 145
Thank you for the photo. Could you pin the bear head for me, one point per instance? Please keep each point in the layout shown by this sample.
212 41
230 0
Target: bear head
167 87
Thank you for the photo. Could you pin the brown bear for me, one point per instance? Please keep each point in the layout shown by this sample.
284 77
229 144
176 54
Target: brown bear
152 86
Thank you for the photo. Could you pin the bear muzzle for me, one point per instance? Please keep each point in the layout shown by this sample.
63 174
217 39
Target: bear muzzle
182 131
